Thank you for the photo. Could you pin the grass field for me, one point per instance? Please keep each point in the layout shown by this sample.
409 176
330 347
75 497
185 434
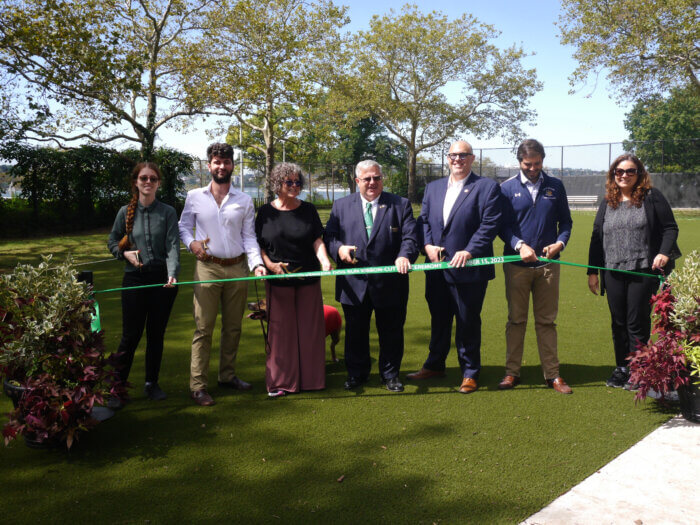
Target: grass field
428 455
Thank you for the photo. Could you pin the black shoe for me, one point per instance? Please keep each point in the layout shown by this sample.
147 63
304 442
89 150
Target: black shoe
354 382
154 392
235 383
393 384
618 378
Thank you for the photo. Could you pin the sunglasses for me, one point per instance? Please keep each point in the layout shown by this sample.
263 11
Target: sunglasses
148 178
290 183
375 178
460 156
619 172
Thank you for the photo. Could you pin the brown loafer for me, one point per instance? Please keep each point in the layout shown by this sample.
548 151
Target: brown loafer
424 373
509 382
559 385
202 398
468 385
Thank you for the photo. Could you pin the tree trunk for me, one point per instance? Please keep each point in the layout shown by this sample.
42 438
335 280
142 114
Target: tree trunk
412 190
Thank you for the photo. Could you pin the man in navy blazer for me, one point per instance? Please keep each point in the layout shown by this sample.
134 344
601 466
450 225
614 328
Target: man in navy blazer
459 219
372 228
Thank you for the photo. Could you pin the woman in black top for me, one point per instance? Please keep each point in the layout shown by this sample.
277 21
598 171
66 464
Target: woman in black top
289 232
145 235
633 230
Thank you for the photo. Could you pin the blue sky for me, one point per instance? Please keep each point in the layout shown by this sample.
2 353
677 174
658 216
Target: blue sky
586 117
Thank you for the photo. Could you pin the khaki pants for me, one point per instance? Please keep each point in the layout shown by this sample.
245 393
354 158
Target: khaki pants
543 283
232 296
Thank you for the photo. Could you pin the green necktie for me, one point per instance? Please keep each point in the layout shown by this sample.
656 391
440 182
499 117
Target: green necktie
368 219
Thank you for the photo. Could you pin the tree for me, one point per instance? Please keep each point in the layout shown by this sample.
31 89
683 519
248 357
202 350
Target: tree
399 68
101 70
665 131
646 46
270 48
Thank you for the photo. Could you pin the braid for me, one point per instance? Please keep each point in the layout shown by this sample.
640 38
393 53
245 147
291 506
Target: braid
125 243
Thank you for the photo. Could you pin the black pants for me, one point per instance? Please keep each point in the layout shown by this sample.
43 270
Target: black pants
629 299
149 307
389 321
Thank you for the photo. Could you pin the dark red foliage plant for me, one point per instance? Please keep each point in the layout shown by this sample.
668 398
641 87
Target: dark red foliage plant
660 364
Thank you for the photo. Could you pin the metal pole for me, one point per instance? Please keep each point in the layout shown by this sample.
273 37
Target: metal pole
609 153
561 173
240 143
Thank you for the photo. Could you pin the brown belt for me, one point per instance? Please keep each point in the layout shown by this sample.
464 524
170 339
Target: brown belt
223 262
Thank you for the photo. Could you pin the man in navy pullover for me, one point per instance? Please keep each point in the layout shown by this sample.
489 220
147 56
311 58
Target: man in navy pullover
537 221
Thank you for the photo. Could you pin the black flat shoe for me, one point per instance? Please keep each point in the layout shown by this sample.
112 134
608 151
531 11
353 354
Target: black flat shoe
393 384
354 382
154 392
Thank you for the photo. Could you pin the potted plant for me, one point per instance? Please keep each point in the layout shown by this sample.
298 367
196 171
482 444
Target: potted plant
48 349
671 360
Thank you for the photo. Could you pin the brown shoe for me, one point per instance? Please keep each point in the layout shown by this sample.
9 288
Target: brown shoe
202 398
424 373
468 385
509 382
559 385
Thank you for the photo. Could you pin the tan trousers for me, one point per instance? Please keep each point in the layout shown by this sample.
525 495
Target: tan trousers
207 297
543 283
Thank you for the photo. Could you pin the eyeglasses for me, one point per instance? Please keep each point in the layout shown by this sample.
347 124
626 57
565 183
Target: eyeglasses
630 172
375 178
148 178
460 156
290 183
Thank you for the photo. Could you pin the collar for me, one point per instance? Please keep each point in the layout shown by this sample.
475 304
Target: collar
149 207
524 180
451 183
374 203
231 189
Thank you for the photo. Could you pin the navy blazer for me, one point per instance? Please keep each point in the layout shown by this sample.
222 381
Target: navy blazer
393 235
472 225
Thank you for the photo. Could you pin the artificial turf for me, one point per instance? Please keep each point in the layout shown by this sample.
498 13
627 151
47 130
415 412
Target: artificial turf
428 455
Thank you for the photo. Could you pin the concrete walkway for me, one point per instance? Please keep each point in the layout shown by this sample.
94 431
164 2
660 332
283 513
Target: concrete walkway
622 492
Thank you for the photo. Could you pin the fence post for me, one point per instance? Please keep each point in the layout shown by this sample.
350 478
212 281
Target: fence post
561 171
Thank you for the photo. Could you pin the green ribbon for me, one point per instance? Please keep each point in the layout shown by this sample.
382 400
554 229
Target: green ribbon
366 270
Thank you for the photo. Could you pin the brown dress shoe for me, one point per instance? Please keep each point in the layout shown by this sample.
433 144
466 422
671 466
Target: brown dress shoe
424 373
202 398
509 382
468 385
559 385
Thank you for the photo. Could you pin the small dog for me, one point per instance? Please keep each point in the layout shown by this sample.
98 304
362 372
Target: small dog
331 316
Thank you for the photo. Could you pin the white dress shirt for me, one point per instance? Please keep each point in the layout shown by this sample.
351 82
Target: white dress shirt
454 188
374 203
533 188
229 227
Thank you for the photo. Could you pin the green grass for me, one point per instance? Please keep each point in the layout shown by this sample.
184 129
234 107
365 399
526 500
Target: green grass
429 455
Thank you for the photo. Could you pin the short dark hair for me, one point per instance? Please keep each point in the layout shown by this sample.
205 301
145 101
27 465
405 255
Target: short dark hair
281 172
528 148
219 149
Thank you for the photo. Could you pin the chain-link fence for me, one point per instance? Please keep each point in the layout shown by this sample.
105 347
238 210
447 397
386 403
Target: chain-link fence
674 165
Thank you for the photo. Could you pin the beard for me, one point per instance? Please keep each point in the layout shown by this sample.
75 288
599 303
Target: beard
221 176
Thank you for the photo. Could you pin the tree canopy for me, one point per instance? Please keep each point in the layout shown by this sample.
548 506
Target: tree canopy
399 68
646 47
665 131
100 70
262 62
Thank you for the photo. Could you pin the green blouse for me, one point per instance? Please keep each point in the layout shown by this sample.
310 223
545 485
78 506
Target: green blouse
155 234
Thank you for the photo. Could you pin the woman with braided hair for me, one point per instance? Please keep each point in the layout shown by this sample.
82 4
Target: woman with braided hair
145 235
